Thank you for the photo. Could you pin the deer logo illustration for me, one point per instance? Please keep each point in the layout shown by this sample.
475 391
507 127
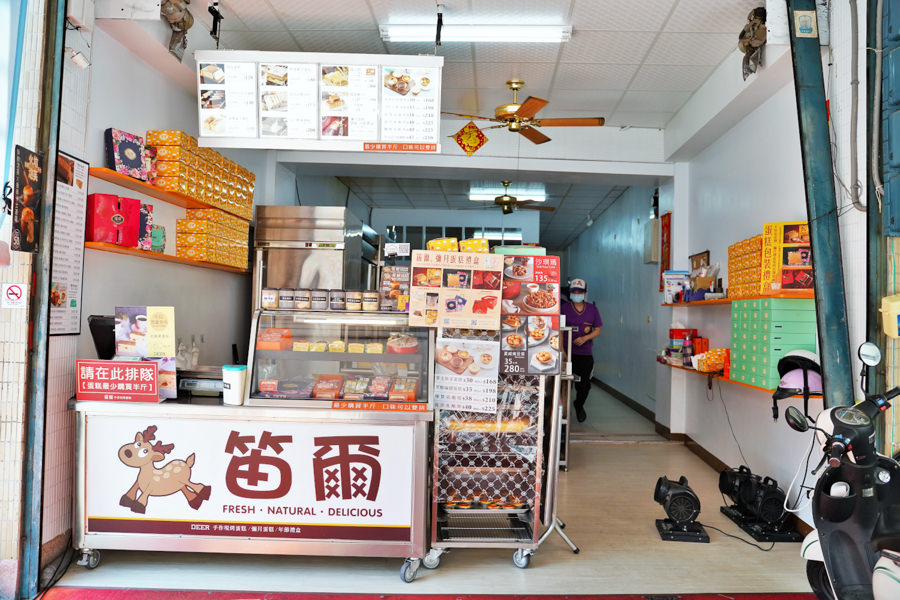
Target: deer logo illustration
175 476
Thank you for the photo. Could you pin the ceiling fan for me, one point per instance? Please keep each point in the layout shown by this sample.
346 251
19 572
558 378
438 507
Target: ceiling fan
522 118
510 203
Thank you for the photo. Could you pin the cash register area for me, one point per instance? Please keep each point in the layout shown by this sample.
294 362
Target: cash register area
605 500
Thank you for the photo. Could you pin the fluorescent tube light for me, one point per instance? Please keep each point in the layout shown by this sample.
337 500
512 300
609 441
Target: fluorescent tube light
477 33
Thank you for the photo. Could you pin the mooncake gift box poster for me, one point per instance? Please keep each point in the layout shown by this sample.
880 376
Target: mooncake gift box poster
455 289
145 331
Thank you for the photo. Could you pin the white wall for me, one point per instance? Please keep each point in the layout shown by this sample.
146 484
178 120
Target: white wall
528 221
609 256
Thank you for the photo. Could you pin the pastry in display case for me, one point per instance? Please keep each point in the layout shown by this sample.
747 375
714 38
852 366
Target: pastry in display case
310 358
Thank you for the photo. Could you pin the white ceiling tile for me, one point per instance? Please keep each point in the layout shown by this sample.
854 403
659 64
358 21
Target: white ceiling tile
581 100
611 47
333 14
365 41
458 75
705 16
670 78
271 41
460 100
256 15
515 53
535 75
517 12
574 76
656 120
692 49
621 15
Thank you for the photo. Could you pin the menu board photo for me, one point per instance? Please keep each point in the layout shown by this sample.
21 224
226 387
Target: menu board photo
319 101
227 98
67 261
530 338
466 370
455 289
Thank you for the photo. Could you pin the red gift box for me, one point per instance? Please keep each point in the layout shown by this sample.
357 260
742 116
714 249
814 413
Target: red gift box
113 219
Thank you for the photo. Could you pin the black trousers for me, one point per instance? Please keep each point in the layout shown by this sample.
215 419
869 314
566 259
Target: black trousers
582 365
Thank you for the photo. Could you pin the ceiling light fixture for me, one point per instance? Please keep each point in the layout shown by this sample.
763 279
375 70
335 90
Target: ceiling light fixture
477 33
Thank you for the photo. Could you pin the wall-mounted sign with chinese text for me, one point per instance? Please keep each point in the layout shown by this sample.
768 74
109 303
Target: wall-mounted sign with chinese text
316 101
249 479
26 209
67 262
455 289
112 380
529 337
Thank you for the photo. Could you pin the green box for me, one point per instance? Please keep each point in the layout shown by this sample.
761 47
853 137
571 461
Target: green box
795 327
787 315
788 303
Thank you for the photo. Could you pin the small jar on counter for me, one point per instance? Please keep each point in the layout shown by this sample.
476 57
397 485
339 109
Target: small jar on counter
286 298
318 299
370 300
269 298
336 300
302 300
353 300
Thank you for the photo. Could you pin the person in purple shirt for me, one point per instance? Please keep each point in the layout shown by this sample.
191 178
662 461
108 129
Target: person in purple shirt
585 320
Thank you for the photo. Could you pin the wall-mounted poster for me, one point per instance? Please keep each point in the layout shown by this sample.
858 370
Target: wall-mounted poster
529 337
227 92
455 289
67 262
29 189
287 101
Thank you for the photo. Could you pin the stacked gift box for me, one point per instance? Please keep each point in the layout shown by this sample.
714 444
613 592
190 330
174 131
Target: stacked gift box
765 329
745 267
212 235
177 164
786 258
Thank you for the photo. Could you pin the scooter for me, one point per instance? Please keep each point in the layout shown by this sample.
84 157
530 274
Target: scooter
854 552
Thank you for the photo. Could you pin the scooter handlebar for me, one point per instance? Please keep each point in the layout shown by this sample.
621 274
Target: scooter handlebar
837 451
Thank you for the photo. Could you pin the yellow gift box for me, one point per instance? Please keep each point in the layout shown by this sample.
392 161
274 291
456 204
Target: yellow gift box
474 245
174 168
443 245
170 137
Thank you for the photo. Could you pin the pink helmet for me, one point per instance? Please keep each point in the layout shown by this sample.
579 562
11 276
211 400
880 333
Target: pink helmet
792 384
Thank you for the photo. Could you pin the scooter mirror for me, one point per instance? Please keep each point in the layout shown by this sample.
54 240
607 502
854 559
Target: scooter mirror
796 419
869 353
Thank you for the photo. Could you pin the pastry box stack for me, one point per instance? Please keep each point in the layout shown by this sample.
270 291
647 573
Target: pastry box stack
212 235
745 267
177 164
765 329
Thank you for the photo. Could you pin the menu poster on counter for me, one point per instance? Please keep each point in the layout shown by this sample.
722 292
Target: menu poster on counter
530 339
349 96
288 100
227 99
26 209
408 104
145 331
466 370
455 289
67 262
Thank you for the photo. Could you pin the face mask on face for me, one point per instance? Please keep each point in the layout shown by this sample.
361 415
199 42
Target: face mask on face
577 298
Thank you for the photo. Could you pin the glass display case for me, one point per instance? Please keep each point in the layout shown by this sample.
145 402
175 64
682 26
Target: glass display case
338 359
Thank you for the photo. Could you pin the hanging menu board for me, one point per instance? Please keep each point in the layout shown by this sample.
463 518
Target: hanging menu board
455 289
316 101
529 336
466 368
227 98
67 261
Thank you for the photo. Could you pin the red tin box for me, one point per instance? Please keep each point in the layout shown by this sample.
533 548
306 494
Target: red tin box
113 219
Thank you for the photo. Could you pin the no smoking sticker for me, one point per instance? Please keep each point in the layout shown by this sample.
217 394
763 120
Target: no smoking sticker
14 295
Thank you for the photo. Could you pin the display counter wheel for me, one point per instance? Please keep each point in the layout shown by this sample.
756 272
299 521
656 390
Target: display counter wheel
409 570
432 559
89 558
521 558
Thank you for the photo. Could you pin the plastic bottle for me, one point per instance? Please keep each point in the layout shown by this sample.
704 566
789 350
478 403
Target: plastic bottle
687 350
195 353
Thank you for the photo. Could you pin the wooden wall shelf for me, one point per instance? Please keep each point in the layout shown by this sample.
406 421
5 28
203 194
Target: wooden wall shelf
804 295
143 187
162 257
723 378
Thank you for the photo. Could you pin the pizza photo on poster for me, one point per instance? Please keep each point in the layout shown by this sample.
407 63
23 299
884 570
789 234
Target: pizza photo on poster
27 195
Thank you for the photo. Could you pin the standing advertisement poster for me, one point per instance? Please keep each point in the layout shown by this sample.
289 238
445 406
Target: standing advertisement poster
466 370
67 262
27 195
529 338
455 289
244 479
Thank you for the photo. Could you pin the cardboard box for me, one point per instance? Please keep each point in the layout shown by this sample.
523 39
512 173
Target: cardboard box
218 216
113 219
273 338
169 137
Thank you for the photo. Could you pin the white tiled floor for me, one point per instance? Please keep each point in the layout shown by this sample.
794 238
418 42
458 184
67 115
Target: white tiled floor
606 500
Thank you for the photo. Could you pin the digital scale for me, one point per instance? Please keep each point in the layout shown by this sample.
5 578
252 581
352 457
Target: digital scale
201 381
